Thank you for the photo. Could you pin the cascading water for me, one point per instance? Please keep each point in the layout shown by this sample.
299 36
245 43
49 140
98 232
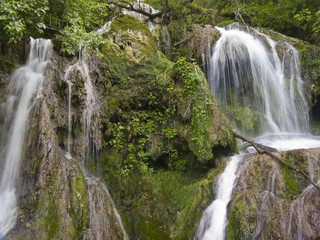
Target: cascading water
23 91
254 77
213 221
66 77
91 181
247 74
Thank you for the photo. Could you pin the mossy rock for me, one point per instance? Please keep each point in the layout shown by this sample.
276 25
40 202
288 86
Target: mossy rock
133 38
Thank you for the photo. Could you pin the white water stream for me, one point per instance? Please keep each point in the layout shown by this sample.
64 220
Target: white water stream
66 77
90 105
213 221
24 89
247 70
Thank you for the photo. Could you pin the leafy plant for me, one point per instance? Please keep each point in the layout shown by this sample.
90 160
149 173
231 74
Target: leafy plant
117 140
19 17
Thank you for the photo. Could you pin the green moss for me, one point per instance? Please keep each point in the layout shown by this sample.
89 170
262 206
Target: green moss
292 186
34 166
148 229
156 136
79 204
79 83
51 216
235 226
244 118
310 56
126 22
272 225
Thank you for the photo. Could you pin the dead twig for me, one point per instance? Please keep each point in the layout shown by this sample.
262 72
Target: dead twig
260 151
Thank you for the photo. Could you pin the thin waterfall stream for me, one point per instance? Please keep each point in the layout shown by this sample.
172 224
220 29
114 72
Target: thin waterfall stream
91 181
262 78
213 221
23 92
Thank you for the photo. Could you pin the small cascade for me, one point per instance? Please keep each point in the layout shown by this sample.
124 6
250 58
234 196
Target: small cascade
23 92
96 221
247 73
214 219
89 106
90 103
105 28
266 201
66 77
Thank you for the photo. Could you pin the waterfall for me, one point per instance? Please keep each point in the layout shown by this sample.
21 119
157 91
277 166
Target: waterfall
23 91
258 84
254 82
91 181
214 219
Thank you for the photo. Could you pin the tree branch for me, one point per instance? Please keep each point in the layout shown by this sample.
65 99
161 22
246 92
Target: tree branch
130 7
260 151
219 10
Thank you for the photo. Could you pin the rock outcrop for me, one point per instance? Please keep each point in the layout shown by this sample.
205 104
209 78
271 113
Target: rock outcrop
154 132
270 201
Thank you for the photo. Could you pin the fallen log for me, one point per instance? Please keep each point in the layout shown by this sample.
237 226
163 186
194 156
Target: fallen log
264 151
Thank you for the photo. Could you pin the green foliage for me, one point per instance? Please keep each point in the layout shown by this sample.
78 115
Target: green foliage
199 103
83 17
78 39
309 20
170 133
21 17
280 15
117 136
177 163
152 100
173 188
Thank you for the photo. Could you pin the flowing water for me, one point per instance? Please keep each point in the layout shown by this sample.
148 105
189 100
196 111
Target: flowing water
66 77
213 221
247 73
261 78
91 181
23 92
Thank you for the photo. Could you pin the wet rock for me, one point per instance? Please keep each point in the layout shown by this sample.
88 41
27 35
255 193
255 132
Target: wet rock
271 201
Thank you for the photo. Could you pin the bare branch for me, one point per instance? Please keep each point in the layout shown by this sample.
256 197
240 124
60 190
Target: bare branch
260 151
130 7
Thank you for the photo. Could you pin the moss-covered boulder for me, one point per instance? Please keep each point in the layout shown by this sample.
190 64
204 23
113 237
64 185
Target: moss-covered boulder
159 123
272 201
180 39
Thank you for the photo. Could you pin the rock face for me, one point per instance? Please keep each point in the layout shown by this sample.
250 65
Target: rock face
271 201
192 41
155 130
52 191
